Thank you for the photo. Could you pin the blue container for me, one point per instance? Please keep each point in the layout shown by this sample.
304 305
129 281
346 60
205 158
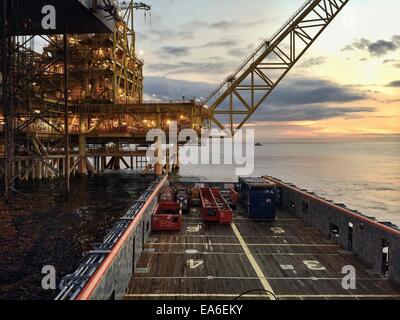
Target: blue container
258 198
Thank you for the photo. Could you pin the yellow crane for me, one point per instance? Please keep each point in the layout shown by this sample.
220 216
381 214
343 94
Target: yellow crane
239 96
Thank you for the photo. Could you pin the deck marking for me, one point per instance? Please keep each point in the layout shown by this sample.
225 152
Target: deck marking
254 263
287 267
314 265
194 229
211 247
194 264
217 295
266 220
183 295
249 245
256 278
227 236
142 270
277 230
193 251
257 253
336 296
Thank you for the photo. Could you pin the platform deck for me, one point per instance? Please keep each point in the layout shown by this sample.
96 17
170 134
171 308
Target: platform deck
221 262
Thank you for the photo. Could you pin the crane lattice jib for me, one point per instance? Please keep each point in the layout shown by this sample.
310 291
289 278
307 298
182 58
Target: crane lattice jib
238 97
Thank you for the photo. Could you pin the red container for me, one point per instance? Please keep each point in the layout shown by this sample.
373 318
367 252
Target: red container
168 217
214 208
224 211
209 207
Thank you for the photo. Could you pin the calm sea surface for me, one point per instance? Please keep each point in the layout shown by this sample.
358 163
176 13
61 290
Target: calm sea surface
363 175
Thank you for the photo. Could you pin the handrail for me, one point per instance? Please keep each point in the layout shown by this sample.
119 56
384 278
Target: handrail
392 230
260 47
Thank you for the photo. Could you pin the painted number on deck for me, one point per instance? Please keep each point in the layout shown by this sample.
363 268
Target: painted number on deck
278 230
194 229
314 265
194 264
287 267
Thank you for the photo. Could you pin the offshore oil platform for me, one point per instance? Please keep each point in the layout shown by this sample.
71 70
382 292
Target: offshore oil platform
72 103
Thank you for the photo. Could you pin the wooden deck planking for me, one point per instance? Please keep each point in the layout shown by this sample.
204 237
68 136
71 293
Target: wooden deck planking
177 265
207 261
176 288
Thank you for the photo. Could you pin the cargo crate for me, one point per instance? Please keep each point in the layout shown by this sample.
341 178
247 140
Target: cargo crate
167 217
258 198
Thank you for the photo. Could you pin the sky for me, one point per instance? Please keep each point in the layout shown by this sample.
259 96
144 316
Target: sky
347 85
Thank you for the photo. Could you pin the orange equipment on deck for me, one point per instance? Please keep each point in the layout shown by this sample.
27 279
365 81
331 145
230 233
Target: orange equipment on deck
214 208
167 217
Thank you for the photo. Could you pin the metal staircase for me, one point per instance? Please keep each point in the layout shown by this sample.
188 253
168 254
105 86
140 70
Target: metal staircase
238 97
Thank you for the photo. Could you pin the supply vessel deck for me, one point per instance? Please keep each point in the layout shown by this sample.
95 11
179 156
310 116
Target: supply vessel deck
305 253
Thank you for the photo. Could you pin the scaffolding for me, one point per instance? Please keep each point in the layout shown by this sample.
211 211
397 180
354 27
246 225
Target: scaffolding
40 83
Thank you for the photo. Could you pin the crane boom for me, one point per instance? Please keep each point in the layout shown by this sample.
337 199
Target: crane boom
239 96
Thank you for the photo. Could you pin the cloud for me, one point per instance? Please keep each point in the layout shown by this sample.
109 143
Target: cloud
211 67
168 34
313 91
225 25
169 89
181 51
175 51
221 43
296 100
238 52
377 48
241 52
394 84
313 62
389 61
382 47
309 113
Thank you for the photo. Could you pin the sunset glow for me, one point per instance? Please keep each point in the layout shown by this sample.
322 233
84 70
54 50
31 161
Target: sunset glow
194 52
